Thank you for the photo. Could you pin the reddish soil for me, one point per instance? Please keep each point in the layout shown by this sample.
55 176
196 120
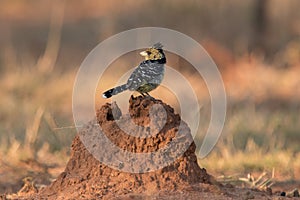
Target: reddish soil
87 178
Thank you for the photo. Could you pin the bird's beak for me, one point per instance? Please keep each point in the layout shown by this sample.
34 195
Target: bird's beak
144 53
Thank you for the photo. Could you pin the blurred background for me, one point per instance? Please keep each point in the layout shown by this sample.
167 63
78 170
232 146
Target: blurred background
255 44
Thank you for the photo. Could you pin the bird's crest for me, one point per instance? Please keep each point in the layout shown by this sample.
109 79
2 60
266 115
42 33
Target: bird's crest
158 45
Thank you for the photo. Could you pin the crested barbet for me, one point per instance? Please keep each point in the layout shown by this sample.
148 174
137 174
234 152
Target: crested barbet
147 76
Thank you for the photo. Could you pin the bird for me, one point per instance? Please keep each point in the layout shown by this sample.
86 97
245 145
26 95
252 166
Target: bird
147 76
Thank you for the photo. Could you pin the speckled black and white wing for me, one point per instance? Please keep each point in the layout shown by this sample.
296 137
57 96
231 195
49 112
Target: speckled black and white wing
148 72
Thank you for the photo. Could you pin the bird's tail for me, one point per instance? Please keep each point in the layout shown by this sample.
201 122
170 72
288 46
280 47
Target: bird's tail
114 91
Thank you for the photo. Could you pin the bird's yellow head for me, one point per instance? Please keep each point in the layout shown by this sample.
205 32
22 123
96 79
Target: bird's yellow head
154 53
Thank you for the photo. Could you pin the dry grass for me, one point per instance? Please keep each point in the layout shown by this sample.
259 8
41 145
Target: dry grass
262 127
33 105
256 137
